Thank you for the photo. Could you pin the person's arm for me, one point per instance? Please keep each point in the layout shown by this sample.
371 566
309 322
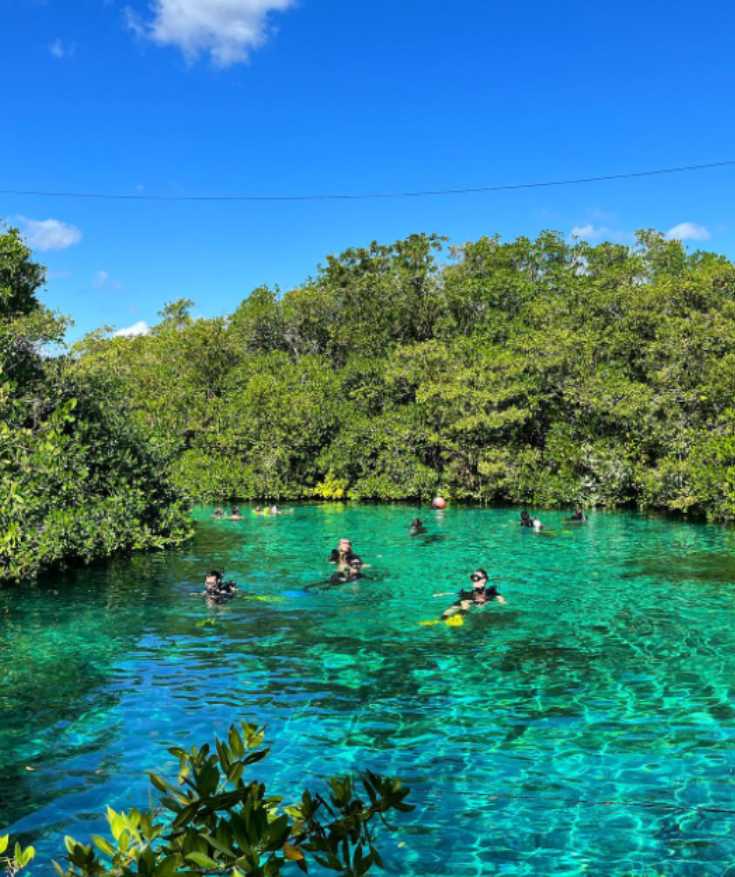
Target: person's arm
499 598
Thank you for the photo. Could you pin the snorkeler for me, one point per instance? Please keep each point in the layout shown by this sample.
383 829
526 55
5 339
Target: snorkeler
416 528
342 554
478 596
351 573
216 589
235 514
578 516
219 512
528 521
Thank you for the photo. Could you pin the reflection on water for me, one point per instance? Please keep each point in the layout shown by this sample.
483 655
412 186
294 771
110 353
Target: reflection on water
586 727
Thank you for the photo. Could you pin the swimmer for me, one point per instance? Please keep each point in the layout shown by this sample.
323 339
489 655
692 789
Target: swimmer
219 512
416 528
478 596
235 514
215 589
274 510
352 573
342 554
528 521
578 516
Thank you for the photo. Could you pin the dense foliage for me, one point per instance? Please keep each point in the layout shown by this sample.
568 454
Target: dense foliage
78 478
535 371
214 821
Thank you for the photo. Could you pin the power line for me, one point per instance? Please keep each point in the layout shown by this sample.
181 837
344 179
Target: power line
365 196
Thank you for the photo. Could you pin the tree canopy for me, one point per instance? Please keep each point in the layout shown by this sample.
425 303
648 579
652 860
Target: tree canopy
78 478
531 371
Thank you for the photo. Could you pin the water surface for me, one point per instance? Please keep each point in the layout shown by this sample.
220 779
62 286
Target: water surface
588 727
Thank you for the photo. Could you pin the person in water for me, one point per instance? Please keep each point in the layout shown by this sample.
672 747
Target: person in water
351 573
417 527
342 554
219 512
235 512
478 596
578 515
216 589
528 521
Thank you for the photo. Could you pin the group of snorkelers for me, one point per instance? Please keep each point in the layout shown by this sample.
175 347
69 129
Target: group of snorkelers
350 568
236 514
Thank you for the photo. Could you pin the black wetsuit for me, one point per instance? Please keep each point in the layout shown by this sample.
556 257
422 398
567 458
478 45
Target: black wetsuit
348 558
488 593
342 578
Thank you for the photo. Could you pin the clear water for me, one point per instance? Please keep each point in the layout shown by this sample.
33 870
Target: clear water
586 727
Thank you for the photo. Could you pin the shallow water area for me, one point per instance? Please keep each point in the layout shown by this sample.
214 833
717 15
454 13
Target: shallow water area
588 727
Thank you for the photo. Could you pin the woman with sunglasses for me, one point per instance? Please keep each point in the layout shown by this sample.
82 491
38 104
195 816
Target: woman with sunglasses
478 596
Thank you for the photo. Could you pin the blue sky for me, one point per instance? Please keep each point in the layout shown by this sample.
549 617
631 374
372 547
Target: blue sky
281 97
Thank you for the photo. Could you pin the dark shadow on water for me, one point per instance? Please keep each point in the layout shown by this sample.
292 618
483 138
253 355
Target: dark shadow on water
718 568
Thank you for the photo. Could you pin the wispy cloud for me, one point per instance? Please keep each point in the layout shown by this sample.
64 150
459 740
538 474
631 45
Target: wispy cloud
591 232
227 30
102 280
49 234
139 328
60 50
688 231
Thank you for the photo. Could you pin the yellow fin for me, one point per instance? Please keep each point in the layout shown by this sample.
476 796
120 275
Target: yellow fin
455 621
429 623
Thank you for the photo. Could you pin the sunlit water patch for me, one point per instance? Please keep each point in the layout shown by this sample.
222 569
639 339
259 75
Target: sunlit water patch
586 727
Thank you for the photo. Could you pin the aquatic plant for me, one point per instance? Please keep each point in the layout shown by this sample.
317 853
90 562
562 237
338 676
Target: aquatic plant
215 821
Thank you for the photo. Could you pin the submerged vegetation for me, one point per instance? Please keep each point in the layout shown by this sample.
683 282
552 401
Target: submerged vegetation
214 821
534 371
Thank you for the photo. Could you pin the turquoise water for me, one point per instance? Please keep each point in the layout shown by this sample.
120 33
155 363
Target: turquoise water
588 727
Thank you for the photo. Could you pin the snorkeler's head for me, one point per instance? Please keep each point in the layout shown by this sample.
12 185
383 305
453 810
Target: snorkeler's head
345 546
479 578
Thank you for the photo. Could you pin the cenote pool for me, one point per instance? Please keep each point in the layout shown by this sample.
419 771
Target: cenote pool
586 727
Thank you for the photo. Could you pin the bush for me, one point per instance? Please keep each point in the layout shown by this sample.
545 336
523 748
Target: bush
215 821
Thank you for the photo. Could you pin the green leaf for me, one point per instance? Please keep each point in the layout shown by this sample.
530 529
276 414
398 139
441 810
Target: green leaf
4 841
103 845
202 860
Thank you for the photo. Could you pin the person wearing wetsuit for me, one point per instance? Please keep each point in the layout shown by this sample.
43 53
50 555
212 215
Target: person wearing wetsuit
578 515
416 528
526 520
351 573
215 589
342 554
478 596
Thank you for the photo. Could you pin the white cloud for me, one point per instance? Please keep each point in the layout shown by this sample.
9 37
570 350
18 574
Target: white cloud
226 29
49 234
588 232
61 50
688 231
591 232
139 328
